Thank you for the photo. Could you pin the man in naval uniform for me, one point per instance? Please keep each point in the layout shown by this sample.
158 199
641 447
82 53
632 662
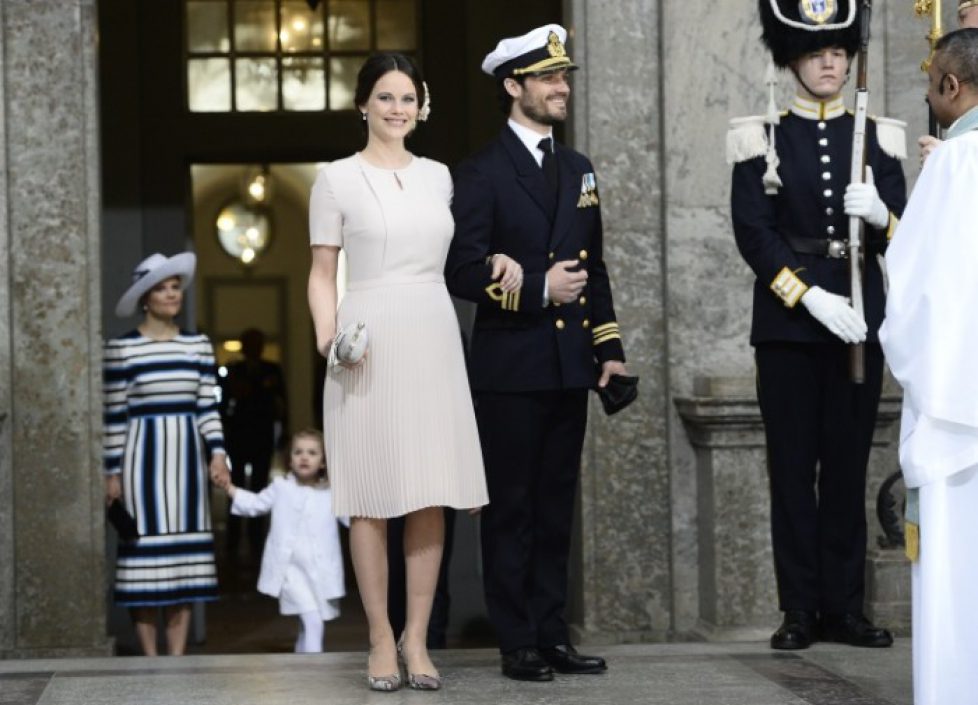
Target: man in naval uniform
535 351
930 338
790 205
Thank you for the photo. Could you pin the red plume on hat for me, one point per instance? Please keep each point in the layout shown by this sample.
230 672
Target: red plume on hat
793 28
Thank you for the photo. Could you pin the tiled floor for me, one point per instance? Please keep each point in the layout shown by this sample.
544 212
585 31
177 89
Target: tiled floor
673 674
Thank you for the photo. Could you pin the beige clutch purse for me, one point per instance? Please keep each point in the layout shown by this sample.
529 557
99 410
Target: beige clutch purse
350 345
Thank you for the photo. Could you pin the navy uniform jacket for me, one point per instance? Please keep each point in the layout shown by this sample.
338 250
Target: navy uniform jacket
503 204
815 157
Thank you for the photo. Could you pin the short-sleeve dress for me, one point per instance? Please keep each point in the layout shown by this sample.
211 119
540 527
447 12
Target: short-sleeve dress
400 429
160 414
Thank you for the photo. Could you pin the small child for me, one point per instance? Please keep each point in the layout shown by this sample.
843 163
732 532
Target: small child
302 564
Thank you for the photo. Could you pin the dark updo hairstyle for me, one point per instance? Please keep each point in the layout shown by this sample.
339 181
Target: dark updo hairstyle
377 66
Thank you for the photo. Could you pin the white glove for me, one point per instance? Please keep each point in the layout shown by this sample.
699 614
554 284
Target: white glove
835 313
863 201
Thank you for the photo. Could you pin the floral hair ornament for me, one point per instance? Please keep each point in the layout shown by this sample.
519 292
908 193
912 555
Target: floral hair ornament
426 105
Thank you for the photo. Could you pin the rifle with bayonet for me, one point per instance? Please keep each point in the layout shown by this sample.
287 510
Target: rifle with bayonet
857 366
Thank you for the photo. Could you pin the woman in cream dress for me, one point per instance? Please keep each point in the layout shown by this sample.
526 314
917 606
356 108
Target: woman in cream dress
400 430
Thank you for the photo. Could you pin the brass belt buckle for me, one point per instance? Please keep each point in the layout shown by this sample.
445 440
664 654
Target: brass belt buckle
837 249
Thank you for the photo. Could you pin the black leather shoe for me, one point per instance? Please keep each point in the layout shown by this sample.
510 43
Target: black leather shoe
564 658
526 665
855 630
797 631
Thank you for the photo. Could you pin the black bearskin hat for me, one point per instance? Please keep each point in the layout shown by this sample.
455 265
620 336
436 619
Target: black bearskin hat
793 28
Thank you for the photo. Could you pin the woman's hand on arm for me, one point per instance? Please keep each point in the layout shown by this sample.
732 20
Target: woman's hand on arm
507 271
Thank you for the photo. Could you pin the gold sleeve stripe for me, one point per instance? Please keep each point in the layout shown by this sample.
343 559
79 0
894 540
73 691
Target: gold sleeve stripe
606 338
894 222
507 300
512 300
606 332
788 287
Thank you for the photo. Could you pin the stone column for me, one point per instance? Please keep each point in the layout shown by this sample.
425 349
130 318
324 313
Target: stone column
52 585
737 595
624 591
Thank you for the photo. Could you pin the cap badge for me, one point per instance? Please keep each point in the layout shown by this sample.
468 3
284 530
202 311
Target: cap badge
554 46
818 11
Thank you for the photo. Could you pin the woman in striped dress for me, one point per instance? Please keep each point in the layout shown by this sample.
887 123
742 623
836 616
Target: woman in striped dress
160 415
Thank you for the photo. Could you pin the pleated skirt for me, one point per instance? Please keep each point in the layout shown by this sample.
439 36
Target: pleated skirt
165 490
945 616
400 429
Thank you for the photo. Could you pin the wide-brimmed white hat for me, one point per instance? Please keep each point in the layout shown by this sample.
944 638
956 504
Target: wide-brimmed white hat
150 272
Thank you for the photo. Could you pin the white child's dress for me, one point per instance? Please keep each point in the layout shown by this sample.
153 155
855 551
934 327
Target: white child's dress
303 563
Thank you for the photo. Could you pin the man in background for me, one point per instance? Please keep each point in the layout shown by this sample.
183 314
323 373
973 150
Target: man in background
967 18
930 338
253 405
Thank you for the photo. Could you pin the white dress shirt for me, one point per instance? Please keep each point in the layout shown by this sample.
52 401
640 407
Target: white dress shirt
531 139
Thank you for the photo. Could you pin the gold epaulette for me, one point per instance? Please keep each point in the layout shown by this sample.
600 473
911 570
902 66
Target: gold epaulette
788 287
507 300
606 332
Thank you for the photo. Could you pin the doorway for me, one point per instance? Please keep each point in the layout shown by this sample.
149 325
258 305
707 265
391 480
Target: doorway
169 171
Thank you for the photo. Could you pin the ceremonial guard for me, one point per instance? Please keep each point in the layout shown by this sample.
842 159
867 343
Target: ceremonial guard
536 349
792 199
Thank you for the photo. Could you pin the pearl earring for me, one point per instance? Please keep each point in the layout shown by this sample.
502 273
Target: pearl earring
364 115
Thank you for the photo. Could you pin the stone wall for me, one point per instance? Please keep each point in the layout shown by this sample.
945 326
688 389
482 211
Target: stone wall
52 588
625 482
659 82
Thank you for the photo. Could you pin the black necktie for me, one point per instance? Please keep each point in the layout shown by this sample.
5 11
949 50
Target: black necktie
546 145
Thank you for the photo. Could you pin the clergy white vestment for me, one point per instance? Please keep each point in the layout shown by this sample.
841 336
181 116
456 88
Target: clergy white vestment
930 338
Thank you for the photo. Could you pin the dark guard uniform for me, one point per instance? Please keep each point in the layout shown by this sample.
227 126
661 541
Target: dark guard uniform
819 425
531 366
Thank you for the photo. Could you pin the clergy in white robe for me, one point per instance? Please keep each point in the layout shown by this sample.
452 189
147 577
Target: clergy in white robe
930 338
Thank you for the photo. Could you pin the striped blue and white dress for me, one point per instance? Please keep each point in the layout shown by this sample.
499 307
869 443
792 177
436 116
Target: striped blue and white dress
160 413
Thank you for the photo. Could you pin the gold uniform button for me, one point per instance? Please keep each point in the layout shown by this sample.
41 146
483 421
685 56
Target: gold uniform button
582 254
560 324
586 323
582 301
552 255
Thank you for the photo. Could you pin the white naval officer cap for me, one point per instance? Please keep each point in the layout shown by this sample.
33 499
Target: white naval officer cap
538 51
